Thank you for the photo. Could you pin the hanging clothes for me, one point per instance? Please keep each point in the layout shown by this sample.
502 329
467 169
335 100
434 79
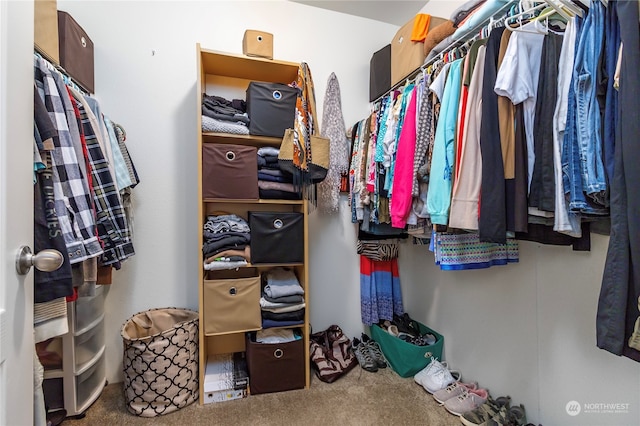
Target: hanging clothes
492 224
466 191
442 166
542 193
71 191
517 79
47 233
456 252
404 164
618 318
334 129
111 224
380 291
565 222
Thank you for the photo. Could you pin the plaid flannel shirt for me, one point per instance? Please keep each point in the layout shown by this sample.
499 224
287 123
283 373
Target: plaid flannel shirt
112 225
71 192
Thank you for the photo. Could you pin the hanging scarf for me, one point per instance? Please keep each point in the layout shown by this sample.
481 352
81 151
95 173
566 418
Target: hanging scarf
334 129
305 121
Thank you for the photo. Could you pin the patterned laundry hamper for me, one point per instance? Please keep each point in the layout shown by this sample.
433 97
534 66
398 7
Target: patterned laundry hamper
160 361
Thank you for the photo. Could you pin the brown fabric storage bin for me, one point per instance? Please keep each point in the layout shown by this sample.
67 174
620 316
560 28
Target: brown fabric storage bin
275 367
76 51
229 171
380 73
271 108
277 237
232 304
257 43
45 34
407 55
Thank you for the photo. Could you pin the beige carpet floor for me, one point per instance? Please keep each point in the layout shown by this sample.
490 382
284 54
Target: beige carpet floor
359 398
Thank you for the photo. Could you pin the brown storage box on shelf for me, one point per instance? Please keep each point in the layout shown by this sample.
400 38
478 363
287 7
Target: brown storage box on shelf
45 34
257 43
229 171
76 51
407 55
275 367
232 301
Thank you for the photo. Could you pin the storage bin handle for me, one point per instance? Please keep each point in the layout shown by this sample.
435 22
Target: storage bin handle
278 353
230 155
233 291
428 354
277 223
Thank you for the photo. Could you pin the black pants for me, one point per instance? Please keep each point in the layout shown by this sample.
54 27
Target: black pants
618 303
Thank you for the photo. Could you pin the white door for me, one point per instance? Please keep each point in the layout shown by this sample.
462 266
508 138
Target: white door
16 211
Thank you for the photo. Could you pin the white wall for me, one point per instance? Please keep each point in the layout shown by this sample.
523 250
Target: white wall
527 330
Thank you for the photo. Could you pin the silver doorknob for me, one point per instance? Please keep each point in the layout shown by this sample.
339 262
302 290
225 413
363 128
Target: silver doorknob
47 260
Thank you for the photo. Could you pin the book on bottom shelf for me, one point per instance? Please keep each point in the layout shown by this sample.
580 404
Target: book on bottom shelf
226 377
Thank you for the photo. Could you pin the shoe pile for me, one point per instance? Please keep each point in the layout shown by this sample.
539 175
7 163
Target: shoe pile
471 403
368 353
496 412
408 330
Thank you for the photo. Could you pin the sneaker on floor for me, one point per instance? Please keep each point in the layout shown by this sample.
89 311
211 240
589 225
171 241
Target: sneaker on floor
453 390
466 402
363 356
438 380
484 413
375 351
500 419
634 339
517 416
432 366
427 376
457 375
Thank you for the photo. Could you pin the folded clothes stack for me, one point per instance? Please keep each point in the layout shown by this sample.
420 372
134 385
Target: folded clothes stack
220 115
226 242
273 183
282 302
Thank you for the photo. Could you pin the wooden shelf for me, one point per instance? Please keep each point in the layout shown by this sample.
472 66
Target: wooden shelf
230 75
259 201
248 68
251 140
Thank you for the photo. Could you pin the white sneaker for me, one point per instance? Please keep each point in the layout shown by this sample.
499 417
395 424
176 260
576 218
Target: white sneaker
433 366
434 377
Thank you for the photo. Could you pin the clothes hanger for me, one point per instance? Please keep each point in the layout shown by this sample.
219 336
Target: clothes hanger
532 27
568 5
524 13
584 6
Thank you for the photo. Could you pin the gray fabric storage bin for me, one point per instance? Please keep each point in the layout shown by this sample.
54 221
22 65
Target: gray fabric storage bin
271 108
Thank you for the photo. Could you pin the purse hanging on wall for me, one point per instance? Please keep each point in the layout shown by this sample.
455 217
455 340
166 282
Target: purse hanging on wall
303 152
